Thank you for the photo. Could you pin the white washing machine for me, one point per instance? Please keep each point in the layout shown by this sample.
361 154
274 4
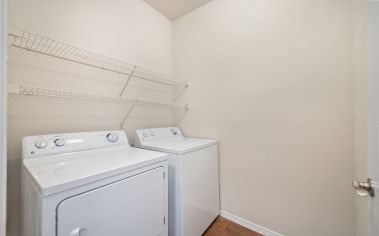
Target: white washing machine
92 184
193 180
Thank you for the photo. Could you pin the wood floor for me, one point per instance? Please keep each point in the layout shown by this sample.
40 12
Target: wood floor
224 227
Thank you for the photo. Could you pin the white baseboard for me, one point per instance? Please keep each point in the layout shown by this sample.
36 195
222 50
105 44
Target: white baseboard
249 225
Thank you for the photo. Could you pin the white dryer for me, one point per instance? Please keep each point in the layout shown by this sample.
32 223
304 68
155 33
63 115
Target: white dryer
92 184
194 200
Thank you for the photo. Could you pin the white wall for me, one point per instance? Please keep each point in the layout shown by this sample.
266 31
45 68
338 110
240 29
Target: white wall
128 30
273 81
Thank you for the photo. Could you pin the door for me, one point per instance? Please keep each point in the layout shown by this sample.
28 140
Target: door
3 93
373 113
368 205
130 207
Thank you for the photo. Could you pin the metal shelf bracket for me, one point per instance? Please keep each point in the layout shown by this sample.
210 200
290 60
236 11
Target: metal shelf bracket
126 116
127 81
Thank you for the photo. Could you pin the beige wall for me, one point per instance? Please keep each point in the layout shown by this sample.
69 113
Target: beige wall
273 81
128 30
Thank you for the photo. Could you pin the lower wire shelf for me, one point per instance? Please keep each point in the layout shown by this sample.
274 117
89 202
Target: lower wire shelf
72 95
59 93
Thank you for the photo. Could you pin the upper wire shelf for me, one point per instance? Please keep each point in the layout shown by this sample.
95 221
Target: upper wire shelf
42 45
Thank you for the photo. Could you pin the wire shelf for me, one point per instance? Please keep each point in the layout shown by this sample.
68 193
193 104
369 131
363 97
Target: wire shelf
42 45
58 93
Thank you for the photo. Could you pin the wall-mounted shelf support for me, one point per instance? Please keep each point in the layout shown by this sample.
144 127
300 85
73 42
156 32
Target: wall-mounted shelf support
127 81
126 116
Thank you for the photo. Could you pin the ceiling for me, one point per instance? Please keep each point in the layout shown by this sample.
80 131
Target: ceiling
174 9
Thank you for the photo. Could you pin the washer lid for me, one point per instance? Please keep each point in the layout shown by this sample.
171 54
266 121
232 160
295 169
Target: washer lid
61 172
178 145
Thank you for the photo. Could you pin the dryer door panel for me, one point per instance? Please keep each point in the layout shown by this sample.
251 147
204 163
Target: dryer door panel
130 207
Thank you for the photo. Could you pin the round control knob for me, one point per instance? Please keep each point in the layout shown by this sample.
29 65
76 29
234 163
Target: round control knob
40 144
145 134
112 137
59 142
174 131
152 133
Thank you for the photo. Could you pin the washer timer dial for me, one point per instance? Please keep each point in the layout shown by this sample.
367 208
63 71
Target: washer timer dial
59 142
111 137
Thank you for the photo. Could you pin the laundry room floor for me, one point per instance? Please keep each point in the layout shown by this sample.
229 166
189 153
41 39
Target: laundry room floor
224 227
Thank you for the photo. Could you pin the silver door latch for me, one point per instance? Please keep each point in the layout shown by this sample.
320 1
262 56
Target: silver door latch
79 232
364 189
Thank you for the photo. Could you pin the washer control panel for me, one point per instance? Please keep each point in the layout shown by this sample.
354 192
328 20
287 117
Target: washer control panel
43 145
146 135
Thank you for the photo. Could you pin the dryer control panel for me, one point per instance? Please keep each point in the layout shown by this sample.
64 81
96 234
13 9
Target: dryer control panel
147 135
52 144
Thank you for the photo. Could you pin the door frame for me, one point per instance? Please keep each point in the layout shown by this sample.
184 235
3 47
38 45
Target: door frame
3 137
373 114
